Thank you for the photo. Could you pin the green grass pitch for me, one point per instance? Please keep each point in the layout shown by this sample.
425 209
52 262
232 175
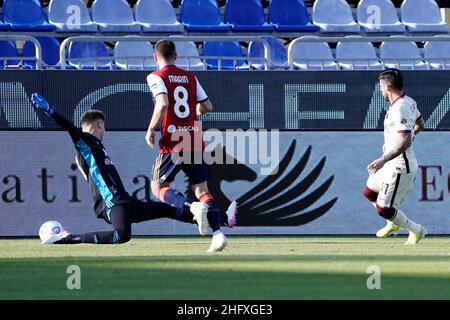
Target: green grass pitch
258 267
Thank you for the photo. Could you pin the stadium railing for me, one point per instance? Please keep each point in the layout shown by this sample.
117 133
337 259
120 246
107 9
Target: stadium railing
24 38
372 40
64 59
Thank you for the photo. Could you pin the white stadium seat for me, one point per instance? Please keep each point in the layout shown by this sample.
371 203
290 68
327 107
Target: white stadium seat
334 16
379 16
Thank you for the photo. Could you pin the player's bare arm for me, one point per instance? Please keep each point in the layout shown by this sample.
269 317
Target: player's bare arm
405 141
204 107
419 126
161 105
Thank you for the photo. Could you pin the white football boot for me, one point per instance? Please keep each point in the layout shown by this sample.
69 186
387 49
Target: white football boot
414 238
219 242
387 229
200 212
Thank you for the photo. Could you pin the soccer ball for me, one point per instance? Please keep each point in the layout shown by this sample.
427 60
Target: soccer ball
52 231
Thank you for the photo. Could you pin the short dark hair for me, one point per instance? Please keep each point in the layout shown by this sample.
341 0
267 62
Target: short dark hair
393 77
92 115
165 48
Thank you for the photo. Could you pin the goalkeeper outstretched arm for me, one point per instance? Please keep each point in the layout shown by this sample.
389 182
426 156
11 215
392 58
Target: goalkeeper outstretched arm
40 103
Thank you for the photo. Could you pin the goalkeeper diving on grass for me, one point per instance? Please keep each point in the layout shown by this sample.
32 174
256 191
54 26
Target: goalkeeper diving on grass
111 201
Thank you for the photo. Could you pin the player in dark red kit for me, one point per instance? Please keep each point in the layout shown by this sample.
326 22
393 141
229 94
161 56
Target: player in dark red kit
179 100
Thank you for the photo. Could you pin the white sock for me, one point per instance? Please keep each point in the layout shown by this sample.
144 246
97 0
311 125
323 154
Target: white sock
403 221
217 232
390 223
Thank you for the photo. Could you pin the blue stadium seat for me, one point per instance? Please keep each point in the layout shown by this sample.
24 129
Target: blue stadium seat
349 55
85 51
290 16
334 16
246 16
388 18
114 16
312 55
3 25
187 48
422 16
134 55
227 49
8 49
25 15
50 51
157 16
61 13
437 54
403 55
278 54
202 16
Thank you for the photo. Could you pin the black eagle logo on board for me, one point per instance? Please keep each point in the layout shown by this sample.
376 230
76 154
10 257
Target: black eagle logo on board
281 199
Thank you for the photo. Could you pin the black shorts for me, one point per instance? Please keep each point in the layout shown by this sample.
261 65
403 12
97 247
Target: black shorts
168 165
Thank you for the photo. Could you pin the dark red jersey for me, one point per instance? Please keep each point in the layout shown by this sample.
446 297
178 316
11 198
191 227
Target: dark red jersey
180 129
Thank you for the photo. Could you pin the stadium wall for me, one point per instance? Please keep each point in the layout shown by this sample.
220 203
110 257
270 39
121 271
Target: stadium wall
286 100
318 176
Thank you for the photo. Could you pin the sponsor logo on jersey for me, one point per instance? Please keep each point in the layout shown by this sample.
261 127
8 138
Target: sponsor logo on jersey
171 129
188 128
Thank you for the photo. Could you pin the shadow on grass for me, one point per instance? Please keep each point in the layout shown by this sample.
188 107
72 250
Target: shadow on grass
168 277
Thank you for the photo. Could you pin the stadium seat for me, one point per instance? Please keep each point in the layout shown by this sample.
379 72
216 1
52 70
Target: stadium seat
312 55
202 16
157 16
88 51
8 49
290 16
383 9
114 16
227 49
404 55
50 51
334 16
437 54
134 55
349 55
61 14
278 54
187 48
422 16
25 15
246 16
3 25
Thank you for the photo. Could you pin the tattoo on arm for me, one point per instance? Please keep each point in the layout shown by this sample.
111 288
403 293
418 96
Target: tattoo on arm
405 143
419 126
